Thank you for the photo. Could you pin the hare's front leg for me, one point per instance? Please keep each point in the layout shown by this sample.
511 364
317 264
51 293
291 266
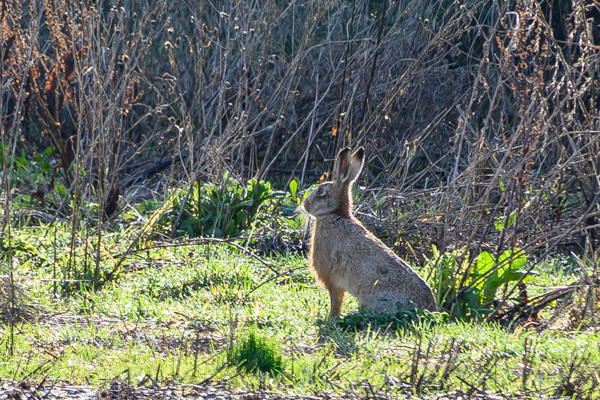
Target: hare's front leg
337 298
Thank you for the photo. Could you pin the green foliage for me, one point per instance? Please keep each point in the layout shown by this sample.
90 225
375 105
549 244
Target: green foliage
34 167
224 210
294 188
290 221
468 287
43 160
505 222
446 271
33 173
19 246
505 269
256 353
266 218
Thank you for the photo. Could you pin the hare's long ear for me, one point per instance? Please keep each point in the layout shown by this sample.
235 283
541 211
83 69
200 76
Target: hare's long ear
342 166
356 164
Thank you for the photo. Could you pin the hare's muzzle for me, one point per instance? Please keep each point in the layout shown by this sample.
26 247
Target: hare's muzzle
307 203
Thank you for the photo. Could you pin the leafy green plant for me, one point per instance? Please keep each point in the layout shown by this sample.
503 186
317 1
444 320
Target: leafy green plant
503 270
226 209
287 226
290 219
468 288
256 353
36 176
447 272
267 219
290 201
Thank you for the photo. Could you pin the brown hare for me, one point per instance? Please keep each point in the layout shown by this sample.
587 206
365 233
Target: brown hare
346 257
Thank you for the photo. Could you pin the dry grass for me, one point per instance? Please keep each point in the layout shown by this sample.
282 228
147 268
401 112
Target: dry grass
489 105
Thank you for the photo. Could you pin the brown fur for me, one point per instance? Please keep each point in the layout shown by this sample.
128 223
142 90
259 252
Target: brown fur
346 257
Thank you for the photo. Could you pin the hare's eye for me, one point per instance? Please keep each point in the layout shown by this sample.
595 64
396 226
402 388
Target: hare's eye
320 191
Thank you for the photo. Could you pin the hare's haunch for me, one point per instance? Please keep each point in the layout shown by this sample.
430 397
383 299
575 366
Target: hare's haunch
346 257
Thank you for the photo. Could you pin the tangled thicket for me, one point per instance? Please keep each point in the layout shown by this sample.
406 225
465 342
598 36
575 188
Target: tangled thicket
480 117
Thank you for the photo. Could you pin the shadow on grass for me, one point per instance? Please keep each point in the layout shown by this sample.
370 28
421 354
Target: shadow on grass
362 320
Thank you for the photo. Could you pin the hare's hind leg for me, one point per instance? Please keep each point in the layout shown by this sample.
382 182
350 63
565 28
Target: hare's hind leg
337 298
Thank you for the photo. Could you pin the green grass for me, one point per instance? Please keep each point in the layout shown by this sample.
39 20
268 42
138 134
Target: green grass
193 314
255 353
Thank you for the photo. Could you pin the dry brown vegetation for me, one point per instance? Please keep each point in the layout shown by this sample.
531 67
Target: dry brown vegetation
471 111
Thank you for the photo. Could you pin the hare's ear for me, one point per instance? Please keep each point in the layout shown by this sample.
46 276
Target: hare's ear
342 166
356 164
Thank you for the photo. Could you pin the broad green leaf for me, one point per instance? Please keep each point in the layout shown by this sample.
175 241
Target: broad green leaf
508 265
490 286
510 262
294 187
436 252
484 263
